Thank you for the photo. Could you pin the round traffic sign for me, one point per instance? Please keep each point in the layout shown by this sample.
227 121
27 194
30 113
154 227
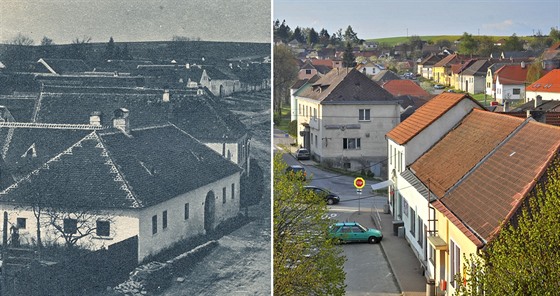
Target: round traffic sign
359 182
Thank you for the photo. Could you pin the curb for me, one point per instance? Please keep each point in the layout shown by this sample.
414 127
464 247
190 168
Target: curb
399 285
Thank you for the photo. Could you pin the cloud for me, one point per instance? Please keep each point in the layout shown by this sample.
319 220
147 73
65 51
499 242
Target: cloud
505 25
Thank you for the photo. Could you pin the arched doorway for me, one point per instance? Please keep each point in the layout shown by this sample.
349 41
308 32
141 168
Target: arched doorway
222 91
209 211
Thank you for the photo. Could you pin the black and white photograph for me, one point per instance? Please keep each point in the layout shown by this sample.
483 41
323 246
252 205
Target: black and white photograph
135 147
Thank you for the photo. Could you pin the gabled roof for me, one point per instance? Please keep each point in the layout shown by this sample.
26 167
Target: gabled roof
385 75
105 170
64 66
478 68
548 83
446 61
512 74
324 63
425 116
346 85
545 105
491 194
462 148
404 87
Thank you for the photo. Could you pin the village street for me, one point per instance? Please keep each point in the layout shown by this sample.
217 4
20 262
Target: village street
240 265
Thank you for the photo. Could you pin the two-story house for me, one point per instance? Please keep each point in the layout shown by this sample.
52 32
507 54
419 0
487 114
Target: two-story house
510 83
343 117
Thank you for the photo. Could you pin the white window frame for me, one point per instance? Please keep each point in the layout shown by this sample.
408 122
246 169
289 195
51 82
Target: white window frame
351 143
364 114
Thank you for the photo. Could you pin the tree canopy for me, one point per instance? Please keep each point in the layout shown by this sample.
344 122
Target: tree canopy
306 261
285 73
348 60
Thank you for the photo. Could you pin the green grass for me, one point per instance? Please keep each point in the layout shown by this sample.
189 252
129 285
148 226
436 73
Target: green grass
392 41
283 119
480 99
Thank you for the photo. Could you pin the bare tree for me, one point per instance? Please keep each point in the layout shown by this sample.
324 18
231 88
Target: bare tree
21 40
72 225
46 41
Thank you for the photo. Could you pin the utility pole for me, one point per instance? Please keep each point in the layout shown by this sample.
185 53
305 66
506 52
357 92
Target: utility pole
4 254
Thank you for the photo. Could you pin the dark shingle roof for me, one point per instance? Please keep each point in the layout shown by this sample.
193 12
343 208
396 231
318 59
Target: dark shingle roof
385 75
65 66
346 85
111 170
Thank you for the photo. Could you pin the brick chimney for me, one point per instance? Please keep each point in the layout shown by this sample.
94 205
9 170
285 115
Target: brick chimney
120 120
95 118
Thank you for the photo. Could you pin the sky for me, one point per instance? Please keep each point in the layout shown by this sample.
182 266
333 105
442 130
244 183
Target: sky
136 20
396 18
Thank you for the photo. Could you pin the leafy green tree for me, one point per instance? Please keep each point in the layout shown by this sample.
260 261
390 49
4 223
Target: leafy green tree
513 43
312 36
416 42
554 34
535 71
523 259
285 73
282 31
468 44
350 35
324 36
485 46
348 60
443 43
305 261
298 35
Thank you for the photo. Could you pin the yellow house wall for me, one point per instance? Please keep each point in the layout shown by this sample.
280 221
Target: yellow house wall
439 75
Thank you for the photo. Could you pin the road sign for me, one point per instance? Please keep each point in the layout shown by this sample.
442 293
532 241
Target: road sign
358 191
359 182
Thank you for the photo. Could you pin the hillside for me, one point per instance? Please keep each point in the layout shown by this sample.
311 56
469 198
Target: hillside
392 41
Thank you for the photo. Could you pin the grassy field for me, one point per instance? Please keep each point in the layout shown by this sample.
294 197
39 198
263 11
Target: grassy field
392 41
284 119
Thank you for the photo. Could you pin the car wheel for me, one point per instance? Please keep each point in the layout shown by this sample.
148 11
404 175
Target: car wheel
373 240
330 201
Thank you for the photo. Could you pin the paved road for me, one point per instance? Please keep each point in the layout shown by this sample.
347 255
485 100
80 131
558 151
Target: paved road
367 269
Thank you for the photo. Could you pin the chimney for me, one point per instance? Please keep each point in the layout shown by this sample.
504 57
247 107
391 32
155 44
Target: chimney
165 97
120 120
506 106
188 66
538 101
95 118
522 65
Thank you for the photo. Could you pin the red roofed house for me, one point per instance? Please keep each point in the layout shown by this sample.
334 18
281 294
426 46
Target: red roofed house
405 87
459 173
510 82
548 87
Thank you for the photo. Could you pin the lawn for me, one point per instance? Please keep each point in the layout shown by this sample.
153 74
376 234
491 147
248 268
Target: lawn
281 122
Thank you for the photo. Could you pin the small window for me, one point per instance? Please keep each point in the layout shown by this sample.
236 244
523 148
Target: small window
103 228
308 71
232 190
351 143
21 223
516 91
154 224
186 211
363 114
164 220
70 226
224 195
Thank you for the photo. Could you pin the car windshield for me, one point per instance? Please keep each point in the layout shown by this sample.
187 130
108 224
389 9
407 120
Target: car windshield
361 227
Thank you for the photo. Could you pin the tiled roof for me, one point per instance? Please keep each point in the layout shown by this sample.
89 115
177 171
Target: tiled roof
492 193
478 67
548 83
446 61
545 105
512 74
404 87
431 60
200 116
325 63
425 116
64 66
462 148
385 75
104 171
20 108
26 148
346 85
438 205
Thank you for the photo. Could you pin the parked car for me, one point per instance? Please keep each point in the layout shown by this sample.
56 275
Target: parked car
354 232
439 86
330 197
303 154
294 171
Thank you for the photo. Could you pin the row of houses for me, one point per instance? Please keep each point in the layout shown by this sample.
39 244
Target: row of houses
93 162
221 81
458 173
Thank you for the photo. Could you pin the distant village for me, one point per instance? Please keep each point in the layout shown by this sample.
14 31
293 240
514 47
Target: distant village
126 149
461 141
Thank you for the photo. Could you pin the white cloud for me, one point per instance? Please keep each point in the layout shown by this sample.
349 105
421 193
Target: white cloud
505 25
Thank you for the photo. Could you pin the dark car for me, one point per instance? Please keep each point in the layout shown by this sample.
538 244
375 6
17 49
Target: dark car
303 154
294 171
354 232
330 197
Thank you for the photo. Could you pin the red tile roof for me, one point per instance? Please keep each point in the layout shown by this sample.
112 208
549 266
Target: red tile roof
512 74
326 63
425 116
453 219
548 83
462 148
493 192
405 87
